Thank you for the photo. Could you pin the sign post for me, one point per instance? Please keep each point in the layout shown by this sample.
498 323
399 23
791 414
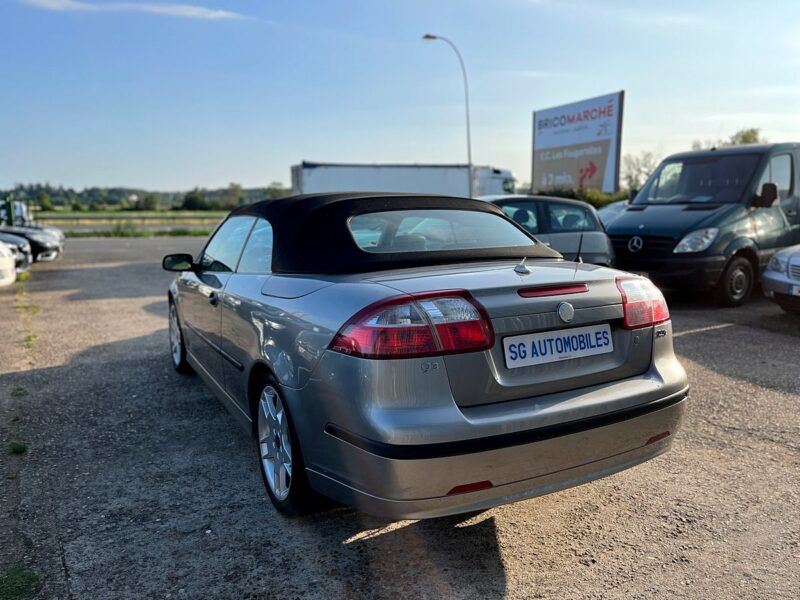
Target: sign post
577 146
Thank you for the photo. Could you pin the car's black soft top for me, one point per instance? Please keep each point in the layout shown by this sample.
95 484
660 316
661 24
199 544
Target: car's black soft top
310 233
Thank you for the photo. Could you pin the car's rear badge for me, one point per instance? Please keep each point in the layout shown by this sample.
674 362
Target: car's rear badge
566 312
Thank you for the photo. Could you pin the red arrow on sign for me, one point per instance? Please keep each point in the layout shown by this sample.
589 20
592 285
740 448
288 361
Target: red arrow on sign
587 173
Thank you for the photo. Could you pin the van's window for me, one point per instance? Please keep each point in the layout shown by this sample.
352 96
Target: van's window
222 252
431 230
779 171
257 254
713 179
523 213
567 217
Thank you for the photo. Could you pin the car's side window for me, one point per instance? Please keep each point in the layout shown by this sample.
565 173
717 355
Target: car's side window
567 217
524 214
257 255
779 171
222 252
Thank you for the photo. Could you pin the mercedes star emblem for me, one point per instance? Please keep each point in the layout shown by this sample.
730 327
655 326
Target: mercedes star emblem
635 243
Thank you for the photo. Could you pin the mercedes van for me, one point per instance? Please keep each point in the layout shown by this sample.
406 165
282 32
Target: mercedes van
710 220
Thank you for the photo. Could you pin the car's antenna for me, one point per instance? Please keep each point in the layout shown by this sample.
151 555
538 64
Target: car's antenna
522 268
580 245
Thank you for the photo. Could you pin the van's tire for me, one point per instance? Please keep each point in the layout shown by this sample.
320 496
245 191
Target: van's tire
737 282
278 448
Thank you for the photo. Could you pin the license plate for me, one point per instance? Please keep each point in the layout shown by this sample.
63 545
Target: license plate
552 346
795 290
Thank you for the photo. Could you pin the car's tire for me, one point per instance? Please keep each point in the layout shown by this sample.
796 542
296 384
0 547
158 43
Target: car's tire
792 309
280 458
736 283
177 348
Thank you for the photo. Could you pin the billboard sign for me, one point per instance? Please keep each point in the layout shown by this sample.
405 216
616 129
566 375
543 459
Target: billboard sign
577 145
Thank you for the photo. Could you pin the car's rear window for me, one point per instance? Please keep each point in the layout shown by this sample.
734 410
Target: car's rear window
432 230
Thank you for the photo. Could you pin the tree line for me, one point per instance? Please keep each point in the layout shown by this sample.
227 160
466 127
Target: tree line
47 197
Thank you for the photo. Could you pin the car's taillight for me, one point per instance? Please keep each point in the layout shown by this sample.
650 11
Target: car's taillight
643 303
417 325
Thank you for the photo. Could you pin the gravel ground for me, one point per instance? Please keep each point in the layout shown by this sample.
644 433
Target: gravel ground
136 482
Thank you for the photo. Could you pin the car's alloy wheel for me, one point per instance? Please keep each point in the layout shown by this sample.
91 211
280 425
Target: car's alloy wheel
275 443
736 283
280 457
176 348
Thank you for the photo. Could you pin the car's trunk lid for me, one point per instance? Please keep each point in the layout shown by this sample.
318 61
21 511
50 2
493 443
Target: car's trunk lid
486 377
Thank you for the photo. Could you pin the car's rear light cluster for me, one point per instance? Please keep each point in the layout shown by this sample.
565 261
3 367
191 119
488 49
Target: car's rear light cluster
417 325
643 303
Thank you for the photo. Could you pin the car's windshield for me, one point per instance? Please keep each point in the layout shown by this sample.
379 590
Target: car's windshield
430 230
710 179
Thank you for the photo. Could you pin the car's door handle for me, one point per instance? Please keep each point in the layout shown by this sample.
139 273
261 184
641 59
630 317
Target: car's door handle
213 299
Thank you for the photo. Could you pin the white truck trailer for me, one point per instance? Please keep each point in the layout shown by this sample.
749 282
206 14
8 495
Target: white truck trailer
450 180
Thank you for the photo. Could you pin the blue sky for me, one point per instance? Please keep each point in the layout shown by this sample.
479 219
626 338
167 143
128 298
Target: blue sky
172 95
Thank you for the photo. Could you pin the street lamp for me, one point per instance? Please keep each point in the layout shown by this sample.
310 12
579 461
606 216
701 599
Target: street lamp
429 37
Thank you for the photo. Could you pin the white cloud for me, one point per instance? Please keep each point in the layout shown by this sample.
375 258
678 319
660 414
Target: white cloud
187 11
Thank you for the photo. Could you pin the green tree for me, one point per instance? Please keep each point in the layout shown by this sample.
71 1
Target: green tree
751 135
149 202
77 206
277 190
195 200
233 195
748 135
44 201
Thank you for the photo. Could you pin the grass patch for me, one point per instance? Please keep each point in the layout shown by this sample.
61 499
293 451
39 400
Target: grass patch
132 232
23 277
19 392
28 309
18 447
132 214
30 341
17 583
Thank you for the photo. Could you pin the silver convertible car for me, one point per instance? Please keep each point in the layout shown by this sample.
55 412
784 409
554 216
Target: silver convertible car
417 356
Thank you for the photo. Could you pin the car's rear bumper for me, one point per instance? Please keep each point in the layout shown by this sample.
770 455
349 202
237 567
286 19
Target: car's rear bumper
552 459
676 272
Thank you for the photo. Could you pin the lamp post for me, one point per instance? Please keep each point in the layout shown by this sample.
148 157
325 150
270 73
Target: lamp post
429 37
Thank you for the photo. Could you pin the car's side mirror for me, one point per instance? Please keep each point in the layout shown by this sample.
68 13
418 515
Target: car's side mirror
178 262
632 194
768 196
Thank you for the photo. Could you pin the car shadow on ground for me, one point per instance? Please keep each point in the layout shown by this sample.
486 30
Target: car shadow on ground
140 480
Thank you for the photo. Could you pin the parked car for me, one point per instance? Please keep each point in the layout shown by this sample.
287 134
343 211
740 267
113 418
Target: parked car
8 271
46 246
712 219
426 370
563 224
611 211
24 256
781 279
24 218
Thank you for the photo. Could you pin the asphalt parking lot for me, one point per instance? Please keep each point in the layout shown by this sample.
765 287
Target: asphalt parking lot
136 482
